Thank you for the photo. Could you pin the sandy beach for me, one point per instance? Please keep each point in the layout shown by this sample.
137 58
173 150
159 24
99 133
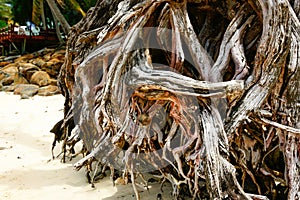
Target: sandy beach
27 170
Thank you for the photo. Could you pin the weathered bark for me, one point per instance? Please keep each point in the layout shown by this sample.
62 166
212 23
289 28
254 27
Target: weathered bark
213 98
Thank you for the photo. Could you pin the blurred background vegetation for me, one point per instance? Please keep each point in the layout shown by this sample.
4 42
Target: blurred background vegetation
5 12
21 11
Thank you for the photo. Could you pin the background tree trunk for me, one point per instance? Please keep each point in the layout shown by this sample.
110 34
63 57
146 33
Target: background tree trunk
211 103
58 15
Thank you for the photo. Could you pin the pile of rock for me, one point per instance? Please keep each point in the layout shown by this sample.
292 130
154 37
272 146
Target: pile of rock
32 74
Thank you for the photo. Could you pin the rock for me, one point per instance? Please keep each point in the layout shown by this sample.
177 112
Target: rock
9 58
53 82
38 61
7 74
39 68
2 76
9 88
4 63
45 51
40 78
7 80
24 58
47 56
26 90
28 69
60 55
10 68
52 67
48 90
19 79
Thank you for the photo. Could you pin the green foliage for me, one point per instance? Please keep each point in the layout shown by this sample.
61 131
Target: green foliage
5 9
2 23
74 4
24 10
75 10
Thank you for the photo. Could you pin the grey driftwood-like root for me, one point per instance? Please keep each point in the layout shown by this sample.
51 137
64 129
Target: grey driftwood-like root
205 94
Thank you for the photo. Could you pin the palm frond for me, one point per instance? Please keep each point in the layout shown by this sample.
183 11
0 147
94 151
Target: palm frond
61 3
37 11
5 9
75 5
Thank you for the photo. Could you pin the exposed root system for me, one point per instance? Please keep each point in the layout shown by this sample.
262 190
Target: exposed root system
203 94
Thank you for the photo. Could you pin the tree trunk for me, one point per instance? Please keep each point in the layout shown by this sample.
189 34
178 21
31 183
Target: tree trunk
59 17
43 16
205 93
58 33
38 12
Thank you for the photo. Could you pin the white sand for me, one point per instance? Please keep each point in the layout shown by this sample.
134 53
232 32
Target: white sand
26 168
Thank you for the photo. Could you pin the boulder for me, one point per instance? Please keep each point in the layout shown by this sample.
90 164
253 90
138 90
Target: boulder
60 55
41 69
7 81
52 67
44 51
26 90
10 67
7 74
48 90
2 76
53 82
38 61
19 79
47 56
28 69
9 88
24 58
40 78
4 63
